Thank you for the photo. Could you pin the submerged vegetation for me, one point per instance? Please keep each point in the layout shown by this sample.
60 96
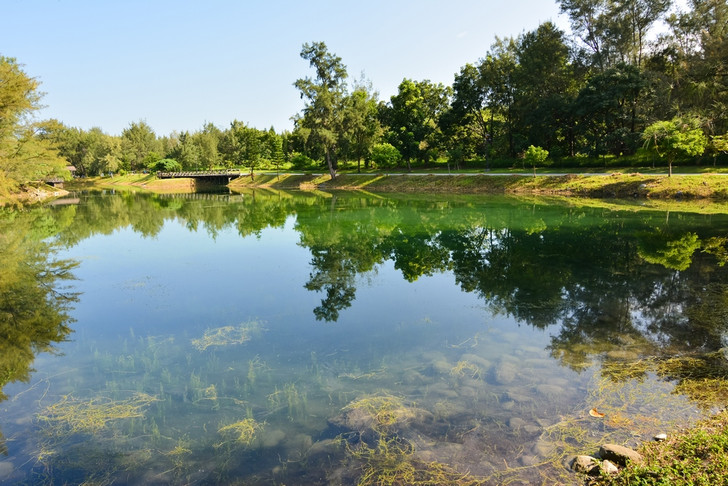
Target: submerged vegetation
393 463
73 416
243 432
461 403
228 335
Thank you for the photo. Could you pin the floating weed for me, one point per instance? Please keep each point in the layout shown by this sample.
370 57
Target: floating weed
228 335
70 415
243 432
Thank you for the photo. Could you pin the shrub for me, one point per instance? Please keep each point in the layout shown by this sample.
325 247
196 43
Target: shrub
165 165
385 155
301 161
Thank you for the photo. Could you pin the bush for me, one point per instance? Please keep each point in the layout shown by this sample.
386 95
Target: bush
165 165
300 161
385 155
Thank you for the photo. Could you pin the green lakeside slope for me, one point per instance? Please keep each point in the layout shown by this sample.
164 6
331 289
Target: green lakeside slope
705 186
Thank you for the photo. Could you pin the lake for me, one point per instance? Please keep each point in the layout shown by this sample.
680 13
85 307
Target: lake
315 338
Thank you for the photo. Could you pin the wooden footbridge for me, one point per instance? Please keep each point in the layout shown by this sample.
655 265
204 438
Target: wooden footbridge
212 176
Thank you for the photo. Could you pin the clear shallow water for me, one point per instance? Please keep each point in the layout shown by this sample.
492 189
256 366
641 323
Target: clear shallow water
271 338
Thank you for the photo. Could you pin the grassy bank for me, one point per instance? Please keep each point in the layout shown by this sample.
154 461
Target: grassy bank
148 182
654 190
31 194
691 457
617 185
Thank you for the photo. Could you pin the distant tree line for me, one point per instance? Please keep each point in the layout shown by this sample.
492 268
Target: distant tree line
608 91
612 89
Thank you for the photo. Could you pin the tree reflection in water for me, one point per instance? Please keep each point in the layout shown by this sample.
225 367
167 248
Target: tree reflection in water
614 286
34 303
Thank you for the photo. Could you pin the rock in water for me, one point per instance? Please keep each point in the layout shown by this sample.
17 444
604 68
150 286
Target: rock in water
6 469
619 454
585 464
610 468
505 373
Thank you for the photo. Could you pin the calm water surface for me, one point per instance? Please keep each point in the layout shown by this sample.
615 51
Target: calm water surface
283 338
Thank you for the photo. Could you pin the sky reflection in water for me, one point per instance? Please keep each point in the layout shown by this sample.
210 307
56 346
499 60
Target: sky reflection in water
477 321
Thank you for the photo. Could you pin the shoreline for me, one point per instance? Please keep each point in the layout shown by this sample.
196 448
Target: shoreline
701 189
32 195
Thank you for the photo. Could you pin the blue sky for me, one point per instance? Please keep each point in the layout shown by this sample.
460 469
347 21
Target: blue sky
179 64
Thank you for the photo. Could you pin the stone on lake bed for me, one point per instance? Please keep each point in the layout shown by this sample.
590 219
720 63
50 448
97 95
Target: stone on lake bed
609 467
619 454
528 460
413 377
441 367
585 464
273 438
323 449
442 389
519 397
482 363
516 422
660 437
467 392
505 373
6 469
543 448
550 390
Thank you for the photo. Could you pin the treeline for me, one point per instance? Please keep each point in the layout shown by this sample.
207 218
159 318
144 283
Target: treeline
609 90
612 89
93 152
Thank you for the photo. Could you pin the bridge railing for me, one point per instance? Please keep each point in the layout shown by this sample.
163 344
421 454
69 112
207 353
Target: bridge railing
199 173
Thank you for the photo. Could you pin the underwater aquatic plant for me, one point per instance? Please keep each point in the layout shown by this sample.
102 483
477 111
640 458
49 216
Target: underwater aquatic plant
70 415
465 368
392 462
243 432
382 411
228 335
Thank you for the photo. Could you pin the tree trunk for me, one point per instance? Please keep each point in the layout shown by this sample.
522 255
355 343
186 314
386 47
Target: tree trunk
330 163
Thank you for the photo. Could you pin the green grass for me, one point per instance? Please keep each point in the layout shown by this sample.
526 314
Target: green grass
697 457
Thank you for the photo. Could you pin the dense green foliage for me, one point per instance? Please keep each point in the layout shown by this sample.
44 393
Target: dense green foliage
26 152
585 99
676 137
